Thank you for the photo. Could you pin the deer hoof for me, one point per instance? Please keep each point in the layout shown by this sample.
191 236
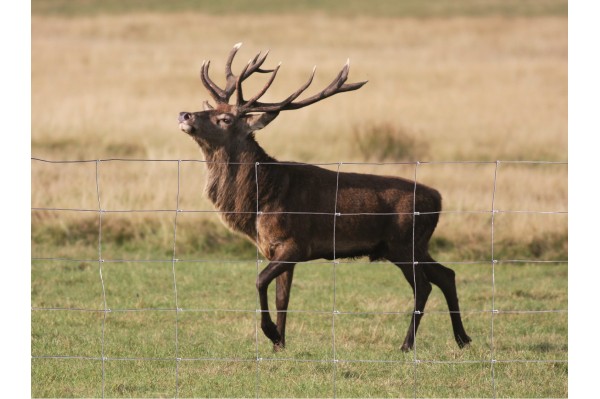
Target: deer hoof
463 341
278 347
270 330
405 348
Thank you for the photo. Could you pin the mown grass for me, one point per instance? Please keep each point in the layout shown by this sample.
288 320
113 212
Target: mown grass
217 337
108 79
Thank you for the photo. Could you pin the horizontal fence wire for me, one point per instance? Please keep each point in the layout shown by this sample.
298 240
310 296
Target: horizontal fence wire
260 262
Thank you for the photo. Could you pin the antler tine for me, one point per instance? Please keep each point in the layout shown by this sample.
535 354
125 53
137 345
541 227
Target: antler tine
337 82
232 53
250 102
254 66
215 91
256 63
230 77
253 61
238 84
297 93
324 94
338 85
233 81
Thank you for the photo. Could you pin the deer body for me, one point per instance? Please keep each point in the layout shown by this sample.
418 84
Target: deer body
296 212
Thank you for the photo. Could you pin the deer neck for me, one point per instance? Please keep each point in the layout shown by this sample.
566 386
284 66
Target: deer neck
231 184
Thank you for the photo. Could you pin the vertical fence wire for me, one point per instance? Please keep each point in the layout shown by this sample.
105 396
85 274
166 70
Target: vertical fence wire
100 262
493 264
257 305
336 214
105 310
414 275
173 263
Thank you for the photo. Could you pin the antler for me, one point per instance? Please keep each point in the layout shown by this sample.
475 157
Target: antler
234 84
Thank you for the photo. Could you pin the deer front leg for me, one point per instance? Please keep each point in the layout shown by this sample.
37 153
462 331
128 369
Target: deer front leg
284 285
269 273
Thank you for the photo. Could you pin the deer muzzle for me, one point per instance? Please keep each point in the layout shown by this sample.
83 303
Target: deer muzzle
185 122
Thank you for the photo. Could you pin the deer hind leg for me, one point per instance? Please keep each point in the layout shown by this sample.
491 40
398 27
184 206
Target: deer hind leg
421 289
444 278
283 285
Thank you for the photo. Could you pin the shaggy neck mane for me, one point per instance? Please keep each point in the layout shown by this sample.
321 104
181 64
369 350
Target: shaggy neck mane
231 183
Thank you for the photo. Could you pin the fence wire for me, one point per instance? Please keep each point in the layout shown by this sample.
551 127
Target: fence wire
260 263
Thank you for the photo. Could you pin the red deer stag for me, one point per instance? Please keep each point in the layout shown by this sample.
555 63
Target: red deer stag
296 212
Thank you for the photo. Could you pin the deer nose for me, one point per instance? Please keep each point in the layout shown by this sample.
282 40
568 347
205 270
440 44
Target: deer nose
184 116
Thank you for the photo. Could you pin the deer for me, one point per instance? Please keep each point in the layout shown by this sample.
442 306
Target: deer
296 212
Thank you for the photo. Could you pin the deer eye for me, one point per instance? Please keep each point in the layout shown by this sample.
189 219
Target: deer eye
224 120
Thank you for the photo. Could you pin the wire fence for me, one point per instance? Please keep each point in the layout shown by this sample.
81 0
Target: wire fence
335 360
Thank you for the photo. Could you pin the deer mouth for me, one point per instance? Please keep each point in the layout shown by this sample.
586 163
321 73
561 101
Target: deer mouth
185 122
186 128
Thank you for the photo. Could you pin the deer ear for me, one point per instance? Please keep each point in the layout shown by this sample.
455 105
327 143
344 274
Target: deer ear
259 121
206 106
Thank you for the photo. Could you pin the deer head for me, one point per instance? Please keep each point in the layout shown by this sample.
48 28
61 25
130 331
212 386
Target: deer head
246 116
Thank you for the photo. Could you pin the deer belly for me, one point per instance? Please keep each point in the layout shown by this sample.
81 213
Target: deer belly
315 236
352 236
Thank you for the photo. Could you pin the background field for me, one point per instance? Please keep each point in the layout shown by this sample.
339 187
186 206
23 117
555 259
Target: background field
448 81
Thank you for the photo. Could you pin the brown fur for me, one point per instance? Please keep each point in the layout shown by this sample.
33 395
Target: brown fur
297 212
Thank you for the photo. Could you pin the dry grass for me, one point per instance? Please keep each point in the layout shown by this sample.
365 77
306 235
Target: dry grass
464 88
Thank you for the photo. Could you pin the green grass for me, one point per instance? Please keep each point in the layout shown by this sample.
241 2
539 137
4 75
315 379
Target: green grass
379 8
218 341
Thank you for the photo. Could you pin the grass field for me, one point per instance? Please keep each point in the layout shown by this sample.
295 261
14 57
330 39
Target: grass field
449 81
